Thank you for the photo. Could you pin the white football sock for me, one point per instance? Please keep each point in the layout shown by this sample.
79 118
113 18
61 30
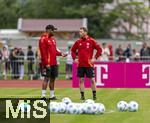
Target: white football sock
52 93
43 93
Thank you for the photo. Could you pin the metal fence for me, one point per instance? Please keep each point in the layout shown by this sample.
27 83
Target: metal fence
25 69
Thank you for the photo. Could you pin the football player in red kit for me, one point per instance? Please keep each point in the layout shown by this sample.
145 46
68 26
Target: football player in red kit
49 53
82 53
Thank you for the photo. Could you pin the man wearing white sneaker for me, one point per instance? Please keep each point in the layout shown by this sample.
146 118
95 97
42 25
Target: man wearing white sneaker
49 53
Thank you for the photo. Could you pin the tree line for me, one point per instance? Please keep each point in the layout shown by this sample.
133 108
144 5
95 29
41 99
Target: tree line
100 20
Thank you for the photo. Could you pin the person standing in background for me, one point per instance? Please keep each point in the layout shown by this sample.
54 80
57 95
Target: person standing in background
119 53
69 62
1 55
5 58
111 52
105 53
14 63
145 52
37 64
30 59
21 63
128 53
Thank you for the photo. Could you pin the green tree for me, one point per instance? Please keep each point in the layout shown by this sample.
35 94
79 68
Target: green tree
90 9
133 13
100 21
8 15
41 9
53 9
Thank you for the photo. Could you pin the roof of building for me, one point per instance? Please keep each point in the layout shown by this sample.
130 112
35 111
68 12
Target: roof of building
63 25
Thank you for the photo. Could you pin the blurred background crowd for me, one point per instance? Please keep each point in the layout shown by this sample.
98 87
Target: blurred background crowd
21 64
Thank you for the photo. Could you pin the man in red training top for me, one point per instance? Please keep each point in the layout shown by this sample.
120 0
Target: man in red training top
84 48
49 53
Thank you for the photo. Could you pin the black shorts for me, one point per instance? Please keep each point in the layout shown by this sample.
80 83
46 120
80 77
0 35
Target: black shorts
51 73
88 71
69 67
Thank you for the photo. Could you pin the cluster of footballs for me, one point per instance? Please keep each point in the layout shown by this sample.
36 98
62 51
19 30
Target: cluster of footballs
132 106
88 107
69 107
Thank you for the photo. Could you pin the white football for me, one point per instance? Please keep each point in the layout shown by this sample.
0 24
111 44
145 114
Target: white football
71 108
133 106
89 101
96 108
54 107
79 107
66 100
89 108
62 107
122 106
101 109
84 109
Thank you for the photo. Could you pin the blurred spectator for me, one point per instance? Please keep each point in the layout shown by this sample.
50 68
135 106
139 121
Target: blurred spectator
1 55
145 52
69 62
119 53
21 63
38 64
105 53
5 53
128 52
30 59
111 52
1 64
136 55
14 63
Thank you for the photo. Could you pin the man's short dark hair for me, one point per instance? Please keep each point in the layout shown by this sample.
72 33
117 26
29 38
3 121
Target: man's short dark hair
52 27
104 44
84 29
29 47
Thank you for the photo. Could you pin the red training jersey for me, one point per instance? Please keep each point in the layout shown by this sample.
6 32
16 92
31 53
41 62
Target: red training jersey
84 49
48 50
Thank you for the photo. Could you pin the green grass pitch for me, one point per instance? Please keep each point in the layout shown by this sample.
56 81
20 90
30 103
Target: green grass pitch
109 97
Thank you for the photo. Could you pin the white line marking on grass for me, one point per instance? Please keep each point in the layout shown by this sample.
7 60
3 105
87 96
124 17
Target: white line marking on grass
111 111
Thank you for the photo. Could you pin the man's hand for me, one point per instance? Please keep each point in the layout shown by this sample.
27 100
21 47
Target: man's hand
106 53
98 59
64 55
76 61
93 60
47 66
